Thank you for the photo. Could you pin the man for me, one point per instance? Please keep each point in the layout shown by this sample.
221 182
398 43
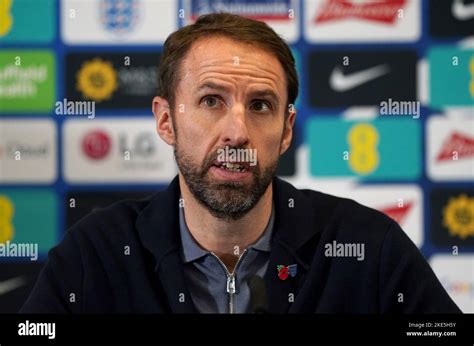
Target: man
227 236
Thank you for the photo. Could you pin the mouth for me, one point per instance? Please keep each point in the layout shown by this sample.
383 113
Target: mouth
238 167
231 171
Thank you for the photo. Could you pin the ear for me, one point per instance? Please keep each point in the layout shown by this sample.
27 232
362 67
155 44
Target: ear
164 121
288 129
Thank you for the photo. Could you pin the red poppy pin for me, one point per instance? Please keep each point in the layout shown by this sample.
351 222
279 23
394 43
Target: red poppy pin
285 271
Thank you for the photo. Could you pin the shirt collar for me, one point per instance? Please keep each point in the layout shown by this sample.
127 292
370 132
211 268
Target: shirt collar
191 250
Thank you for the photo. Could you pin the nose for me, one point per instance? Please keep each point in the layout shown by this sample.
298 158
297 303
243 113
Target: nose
235 132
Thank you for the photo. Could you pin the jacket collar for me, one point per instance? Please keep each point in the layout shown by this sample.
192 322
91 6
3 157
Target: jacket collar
295 225
158 229
158 222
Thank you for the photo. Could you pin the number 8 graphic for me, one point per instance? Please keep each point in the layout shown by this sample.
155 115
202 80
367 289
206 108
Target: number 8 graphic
363 140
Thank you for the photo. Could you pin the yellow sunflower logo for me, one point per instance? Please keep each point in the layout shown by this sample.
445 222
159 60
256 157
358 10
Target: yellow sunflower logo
6 216
97 80
6 19
459 216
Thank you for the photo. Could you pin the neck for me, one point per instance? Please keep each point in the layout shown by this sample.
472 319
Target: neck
226 238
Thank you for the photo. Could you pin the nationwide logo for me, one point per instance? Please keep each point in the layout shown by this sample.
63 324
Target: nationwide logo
6 219
457 146
265 10
97 79
398 213
377 11
119 16
6 19
96 144
458 216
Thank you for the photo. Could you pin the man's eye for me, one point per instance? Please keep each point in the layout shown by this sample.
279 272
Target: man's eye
210 101
261 106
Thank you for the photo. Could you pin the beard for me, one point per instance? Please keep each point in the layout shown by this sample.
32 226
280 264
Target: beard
226 200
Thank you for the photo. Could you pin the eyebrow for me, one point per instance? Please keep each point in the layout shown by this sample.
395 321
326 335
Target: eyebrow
259 93
212 85
266 93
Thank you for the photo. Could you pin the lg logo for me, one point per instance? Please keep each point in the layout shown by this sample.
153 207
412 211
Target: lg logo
143 144
97 145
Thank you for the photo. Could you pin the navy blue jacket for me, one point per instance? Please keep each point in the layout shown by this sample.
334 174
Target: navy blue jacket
126 259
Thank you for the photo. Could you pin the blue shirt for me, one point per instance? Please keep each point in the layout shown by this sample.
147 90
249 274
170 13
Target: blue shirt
208 280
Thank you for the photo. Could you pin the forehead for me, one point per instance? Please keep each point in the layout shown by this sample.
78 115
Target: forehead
227 59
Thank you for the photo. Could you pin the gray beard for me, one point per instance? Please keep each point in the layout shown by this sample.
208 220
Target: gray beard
224 200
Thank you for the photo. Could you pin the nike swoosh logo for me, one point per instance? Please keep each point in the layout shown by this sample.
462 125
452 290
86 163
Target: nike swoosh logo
461 11
341 82
12 284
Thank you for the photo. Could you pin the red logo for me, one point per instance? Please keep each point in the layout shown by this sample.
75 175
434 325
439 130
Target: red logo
459 143
383 11
96 144
285 271
397 213
282 272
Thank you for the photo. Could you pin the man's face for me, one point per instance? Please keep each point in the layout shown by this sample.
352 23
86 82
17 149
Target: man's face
230 95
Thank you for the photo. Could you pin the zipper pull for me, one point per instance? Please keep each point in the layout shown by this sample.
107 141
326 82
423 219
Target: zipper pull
231 284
